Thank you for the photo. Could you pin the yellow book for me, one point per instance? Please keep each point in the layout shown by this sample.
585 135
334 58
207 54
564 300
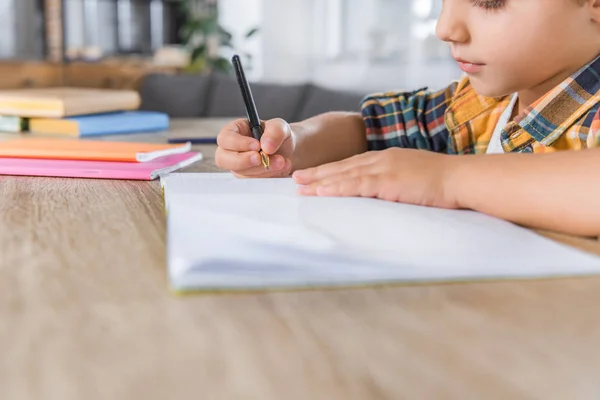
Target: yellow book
59 102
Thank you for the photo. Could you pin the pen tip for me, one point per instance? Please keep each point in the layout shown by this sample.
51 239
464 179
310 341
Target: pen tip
265 160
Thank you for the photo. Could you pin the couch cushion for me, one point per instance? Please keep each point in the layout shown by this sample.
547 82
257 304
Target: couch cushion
180 96
272 100
319 100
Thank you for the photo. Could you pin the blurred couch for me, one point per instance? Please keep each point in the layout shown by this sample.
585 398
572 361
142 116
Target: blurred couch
218 95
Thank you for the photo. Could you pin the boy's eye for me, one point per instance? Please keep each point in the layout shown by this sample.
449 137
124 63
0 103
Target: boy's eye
489 4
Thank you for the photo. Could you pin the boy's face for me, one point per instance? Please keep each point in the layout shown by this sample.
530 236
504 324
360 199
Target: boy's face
518 45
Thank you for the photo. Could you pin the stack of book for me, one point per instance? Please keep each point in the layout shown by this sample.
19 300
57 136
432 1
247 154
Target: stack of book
70 115
76 112
54 157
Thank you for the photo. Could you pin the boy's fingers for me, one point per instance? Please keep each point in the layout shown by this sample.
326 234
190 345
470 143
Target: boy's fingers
341 175
233 141
277 163
232 160
319 173
363 186
333 169
239 126
279 168
275 132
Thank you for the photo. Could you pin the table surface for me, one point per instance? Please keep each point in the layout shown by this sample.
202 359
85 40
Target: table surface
85 313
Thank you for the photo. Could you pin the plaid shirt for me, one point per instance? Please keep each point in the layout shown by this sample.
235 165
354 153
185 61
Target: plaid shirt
456 120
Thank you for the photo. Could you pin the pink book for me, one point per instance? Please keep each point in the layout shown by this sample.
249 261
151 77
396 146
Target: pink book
97 169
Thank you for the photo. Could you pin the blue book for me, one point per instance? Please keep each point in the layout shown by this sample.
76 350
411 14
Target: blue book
101 124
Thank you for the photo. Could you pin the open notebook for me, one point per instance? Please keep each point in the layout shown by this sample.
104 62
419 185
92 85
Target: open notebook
225 233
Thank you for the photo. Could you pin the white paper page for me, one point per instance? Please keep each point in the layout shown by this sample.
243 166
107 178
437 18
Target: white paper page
232 233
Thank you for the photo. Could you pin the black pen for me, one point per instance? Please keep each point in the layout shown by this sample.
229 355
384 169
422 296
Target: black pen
251 112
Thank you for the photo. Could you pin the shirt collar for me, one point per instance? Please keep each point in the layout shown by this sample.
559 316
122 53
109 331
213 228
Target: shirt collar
554 113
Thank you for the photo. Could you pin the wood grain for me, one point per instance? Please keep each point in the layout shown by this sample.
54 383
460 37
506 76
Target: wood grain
85 313
27 74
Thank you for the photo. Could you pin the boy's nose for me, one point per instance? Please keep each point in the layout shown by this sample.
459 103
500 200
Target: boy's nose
451 26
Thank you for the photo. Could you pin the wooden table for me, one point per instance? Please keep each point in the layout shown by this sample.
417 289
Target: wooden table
85 314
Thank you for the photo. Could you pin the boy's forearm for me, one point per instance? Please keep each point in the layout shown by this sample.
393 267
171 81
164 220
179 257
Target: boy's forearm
328 137
557 191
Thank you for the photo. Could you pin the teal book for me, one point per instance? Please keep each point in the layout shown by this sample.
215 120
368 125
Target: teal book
113 123
13 124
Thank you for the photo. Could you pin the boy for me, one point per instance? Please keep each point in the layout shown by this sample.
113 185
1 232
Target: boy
532 89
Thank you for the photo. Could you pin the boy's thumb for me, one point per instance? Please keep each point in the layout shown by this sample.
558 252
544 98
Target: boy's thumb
275 132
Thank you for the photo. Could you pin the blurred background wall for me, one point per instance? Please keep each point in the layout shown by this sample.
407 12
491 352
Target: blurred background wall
344 44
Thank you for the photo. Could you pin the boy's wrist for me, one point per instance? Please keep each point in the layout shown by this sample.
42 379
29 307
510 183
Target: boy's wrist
326 138
457 182
296 128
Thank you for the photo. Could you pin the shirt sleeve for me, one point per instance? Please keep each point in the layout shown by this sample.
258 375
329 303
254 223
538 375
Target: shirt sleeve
408 119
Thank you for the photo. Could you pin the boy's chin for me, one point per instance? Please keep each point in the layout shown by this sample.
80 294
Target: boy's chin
490 89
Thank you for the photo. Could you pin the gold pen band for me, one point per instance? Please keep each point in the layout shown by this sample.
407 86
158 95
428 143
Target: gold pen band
264 158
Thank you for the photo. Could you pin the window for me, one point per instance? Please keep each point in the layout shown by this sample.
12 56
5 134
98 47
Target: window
113 27
383 31
21 29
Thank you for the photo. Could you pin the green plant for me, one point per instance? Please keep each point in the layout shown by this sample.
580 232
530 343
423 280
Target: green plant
204 37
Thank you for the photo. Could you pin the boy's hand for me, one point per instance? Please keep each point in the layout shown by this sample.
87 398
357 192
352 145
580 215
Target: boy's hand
401 175
237 150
